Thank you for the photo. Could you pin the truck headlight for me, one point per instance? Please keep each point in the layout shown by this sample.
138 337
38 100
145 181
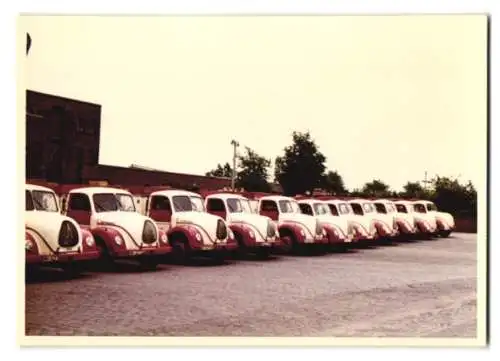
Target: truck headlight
164 238
89 241
118 240
302 233
231 234
198 236
28 245
251 234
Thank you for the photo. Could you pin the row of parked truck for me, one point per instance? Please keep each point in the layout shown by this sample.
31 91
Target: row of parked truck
69 225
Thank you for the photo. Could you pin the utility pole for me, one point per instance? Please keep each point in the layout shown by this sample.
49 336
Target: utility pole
235 144
426 182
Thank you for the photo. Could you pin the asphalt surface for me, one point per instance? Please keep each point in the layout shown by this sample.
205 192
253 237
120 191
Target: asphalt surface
422 288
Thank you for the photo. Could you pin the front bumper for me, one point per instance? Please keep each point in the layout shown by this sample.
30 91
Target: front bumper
343 239
142 252
61 258
321 239
269 242
365 236
216 247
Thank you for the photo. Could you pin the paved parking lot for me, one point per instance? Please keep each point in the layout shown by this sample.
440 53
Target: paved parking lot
423 288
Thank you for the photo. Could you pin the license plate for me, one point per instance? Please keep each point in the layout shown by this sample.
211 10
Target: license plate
51 258
136 253
348 240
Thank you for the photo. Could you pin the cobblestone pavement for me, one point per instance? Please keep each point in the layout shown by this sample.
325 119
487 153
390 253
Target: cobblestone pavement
422 288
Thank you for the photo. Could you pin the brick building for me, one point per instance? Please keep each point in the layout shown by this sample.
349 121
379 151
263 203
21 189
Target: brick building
62 146
62 136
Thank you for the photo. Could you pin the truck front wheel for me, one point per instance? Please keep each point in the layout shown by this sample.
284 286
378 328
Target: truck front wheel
180 251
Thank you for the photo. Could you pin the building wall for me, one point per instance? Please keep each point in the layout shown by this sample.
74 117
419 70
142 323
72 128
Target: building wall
133 177
62 136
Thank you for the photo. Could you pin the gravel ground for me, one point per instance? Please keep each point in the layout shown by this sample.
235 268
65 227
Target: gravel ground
421 288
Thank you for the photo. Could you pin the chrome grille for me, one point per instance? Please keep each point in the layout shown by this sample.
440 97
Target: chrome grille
68 235
149 234
221 232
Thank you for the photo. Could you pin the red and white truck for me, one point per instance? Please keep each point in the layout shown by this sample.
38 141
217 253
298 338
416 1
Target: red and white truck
119 230
297 230
339 230
190 229
53 239
253 232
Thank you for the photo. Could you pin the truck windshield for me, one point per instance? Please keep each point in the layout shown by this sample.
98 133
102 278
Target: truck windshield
238 205
321 208
126 202
431 207
197 204
41 201
344 208
106 202
368 207
183 204
419 208
390 208
287 206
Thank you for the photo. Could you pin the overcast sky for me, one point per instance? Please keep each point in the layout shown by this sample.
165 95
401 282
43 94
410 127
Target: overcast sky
384 97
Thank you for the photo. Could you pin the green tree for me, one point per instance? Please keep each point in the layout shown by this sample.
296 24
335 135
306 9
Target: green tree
414 190
221 171
453 197
302 166
253 172
356 192
376 188
333 183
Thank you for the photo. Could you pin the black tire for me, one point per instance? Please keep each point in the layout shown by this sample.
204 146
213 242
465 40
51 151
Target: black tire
105 261
241 251
180 251
289 244
445 234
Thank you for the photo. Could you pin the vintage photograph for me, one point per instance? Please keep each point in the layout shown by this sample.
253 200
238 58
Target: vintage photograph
255 176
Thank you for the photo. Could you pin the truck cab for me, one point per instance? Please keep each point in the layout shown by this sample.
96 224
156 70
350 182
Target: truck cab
191 230
53 239
297 230
445 223
338 228
365 212
402 213
361 226
385 217
120 231
253 232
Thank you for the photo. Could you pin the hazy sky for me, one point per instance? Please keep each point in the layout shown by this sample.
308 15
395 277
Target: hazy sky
384 97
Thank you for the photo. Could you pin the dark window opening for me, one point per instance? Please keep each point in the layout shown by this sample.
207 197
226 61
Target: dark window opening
306 209
215 205
79 202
